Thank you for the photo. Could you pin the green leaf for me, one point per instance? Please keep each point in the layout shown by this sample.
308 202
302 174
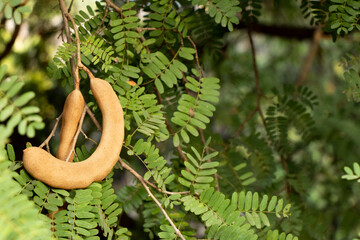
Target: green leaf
255 201
6 112
264 219
190 167
22 127
159 86
30 131
11 152
208 165
24 99
250 218
204 179
14 3
187 175
279 205
272 203
248 200
8 12
184 136
357 169
192 130
128 5
14 120
15 89
264 202
17 17
176 140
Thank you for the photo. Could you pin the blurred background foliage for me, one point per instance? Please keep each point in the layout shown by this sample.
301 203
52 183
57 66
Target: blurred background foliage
326 205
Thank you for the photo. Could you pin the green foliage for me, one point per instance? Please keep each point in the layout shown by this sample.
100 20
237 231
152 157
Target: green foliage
14 9
293 109
155 163
145 112
131 197
351 77
164 59
223 12
90 23
77 213
317 11
93 51
352 174
19 218
234 171
231 219
194 112
199 171
251 10
275 235
344 16
162 70
14 110
124 34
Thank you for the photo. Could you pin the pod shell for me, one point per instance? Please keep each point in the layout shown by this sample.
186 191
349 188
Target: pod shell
72 175
73 107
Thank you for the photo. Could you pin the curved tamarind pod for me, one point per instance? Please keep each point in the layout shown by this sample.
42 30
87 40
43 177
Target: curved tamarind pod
73 107
70 175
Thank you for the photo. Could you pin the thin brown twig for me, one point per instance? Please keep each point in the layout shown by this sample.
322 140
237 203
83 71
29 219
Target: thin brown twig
177 231
310 57
196 56
113 5
70 6
52 133
87 138
256 73
78 54
76 134
245 121
68 36
143 40
138 176
103 18
92 116
146 29
285 165
142 181
11 43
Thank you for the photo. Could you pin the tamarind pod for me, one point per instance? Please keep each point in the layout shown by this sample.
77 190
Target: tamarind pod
71 175
73 107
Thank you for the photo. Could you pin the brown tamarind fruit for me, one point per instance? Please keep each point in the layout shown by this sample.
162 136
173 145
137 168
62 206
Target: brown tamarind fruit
71 175
73 108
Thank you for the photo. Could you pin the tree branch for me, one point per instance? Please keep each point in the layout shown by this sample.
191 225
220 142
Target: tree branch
64 11
52 133
92 116
113 5
283 31
256 73
142 181
10 44
76 134
310 57
196 56
245 121
138 176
